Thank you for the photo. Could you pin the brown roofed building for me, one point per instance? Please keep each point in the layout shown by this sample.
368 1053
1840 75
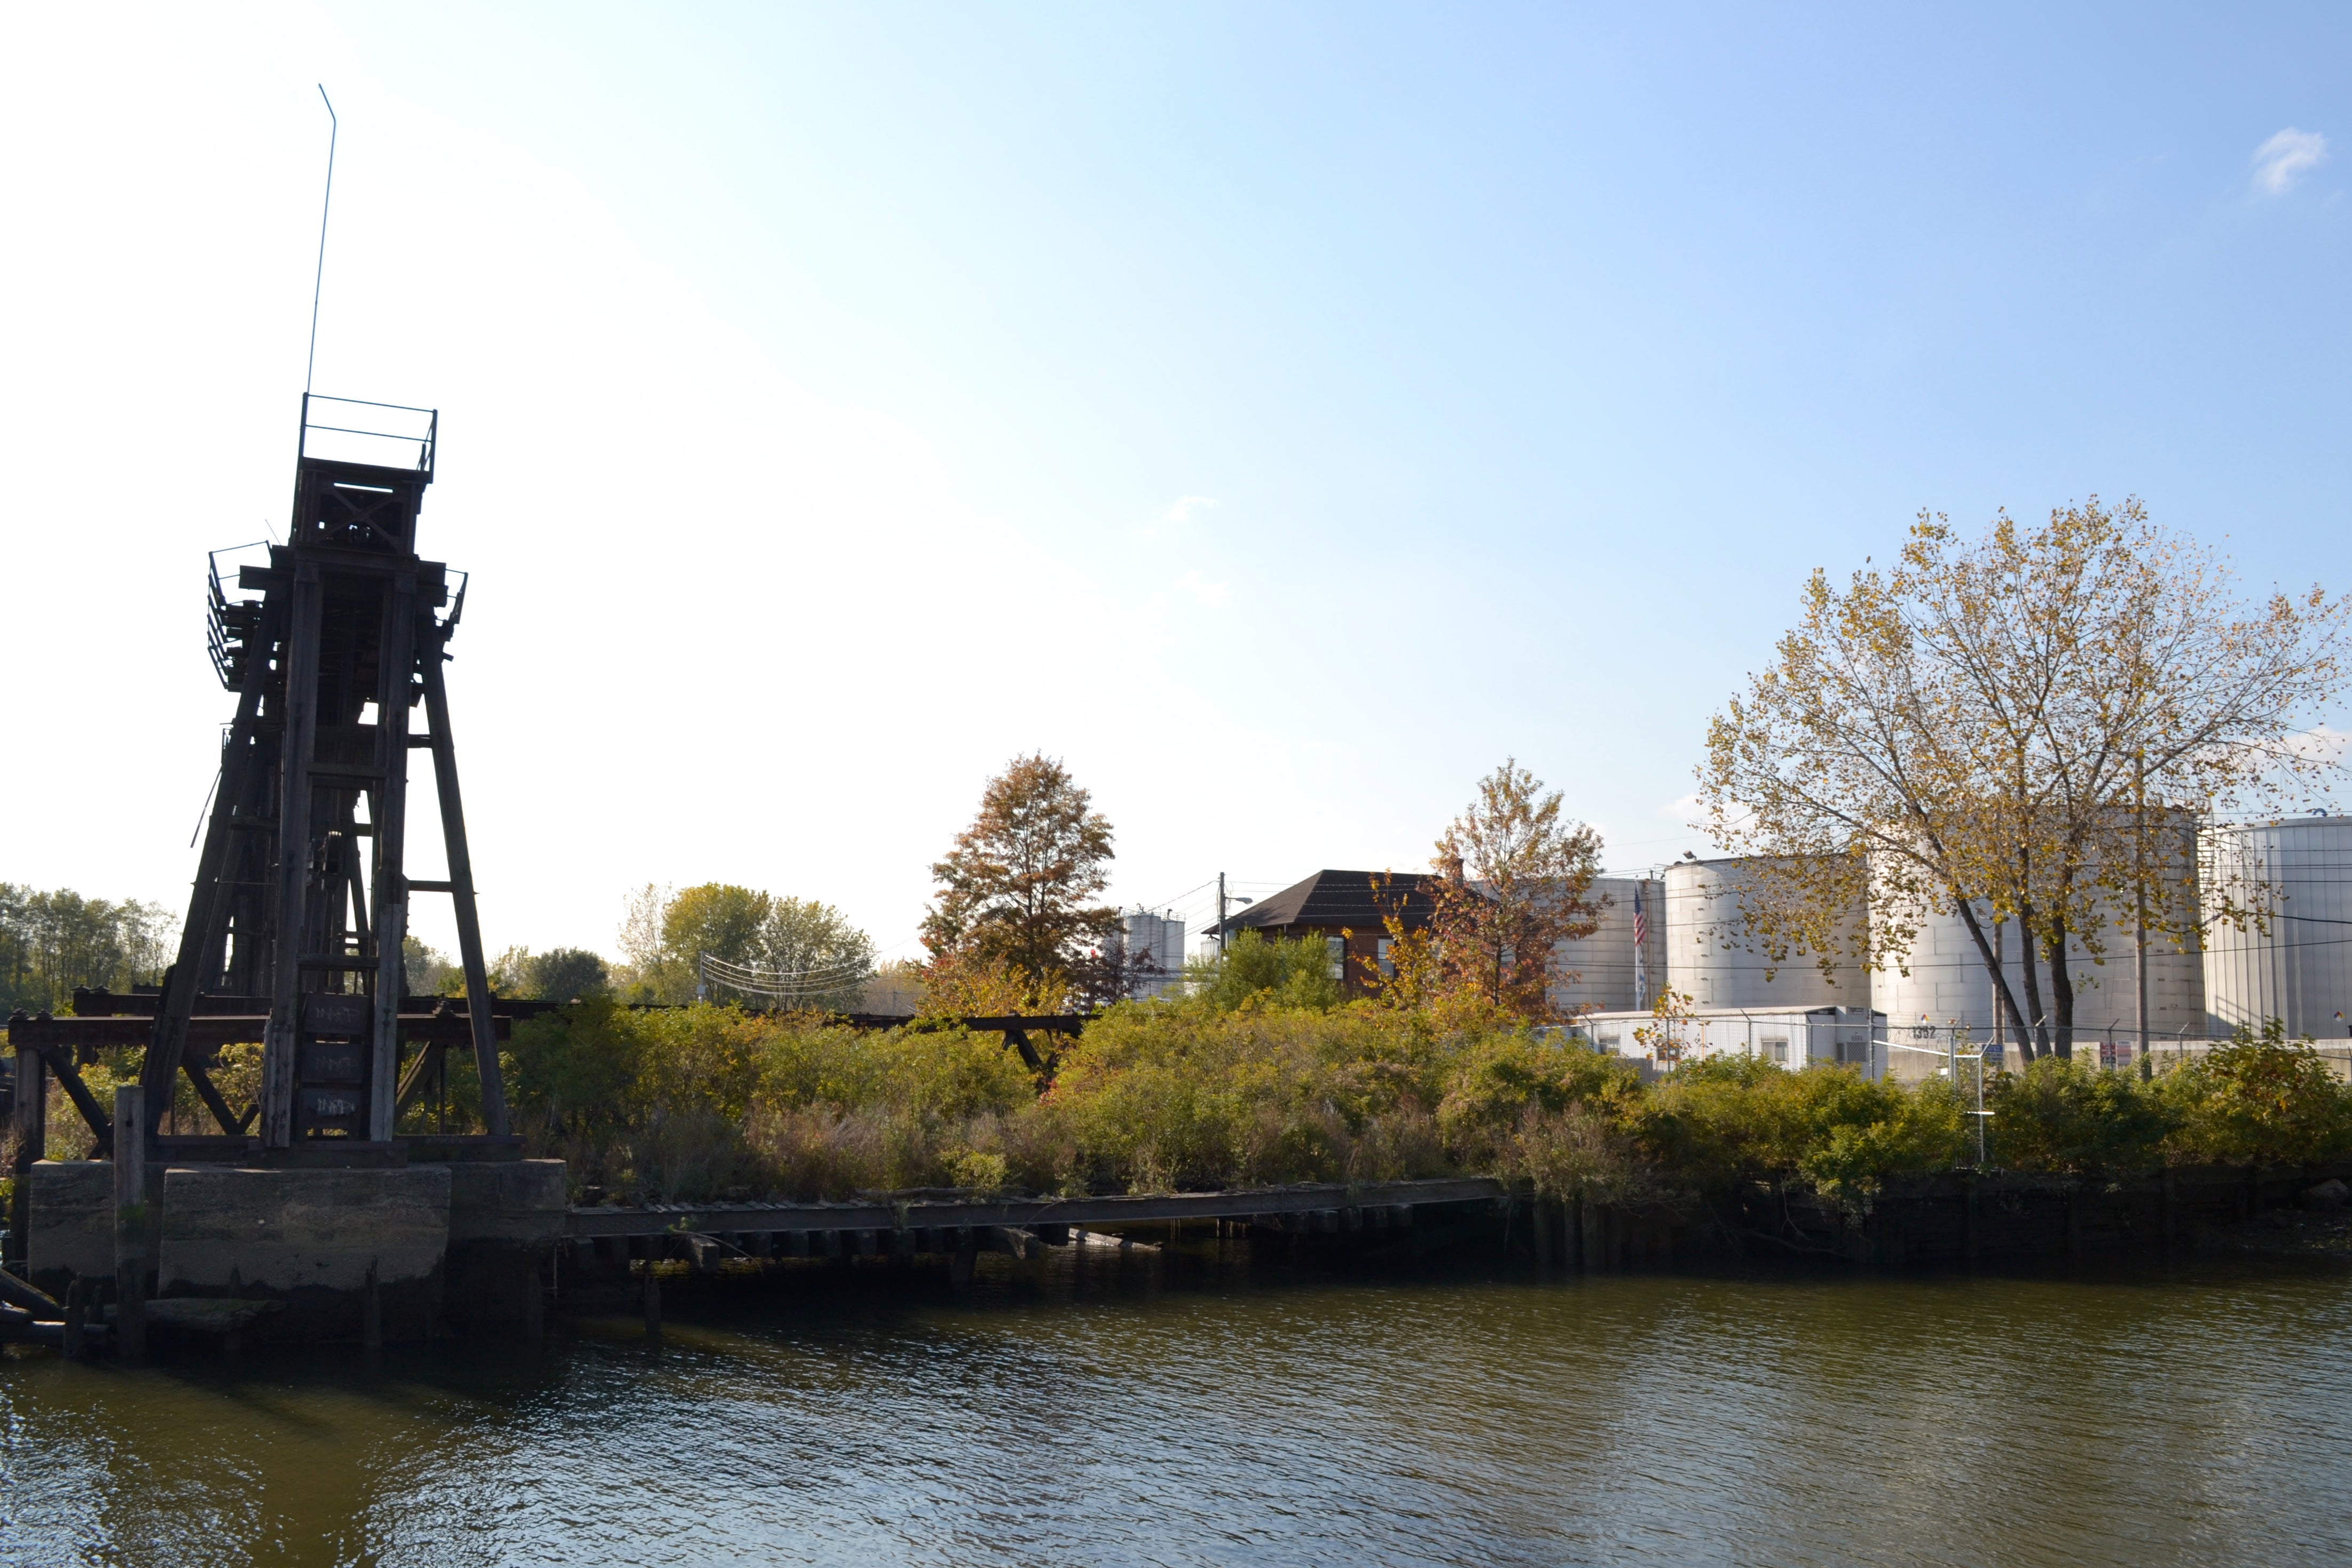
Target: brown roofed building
1346 909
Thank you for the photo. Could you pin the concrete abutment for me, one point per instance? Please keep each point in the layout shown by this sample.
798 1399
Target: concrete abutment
370 1255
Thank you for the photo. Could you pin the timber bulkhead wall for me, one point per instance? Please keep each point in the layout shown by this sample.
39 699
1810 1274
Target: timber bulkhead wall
1954 1219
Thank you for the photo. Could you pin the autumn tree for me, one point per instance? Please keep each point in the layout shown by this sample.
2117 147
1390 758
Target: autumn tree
2016 728
1016 892
1512 879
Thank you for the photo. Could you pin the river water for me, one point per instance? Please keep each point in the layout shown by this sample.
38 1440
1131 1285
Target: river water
1126 1415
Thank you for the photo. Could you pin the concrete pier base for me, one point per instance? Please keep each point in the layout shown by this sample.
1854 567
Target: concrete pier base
385 1253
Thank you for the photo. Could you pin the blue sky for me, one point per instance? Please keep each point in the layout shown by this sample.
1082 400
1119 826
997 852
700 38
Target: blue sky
1281 414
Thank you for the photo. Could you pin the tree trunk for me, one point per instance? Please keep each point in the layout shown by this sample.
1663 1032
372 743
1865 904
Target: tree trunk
2037 1038
2061 990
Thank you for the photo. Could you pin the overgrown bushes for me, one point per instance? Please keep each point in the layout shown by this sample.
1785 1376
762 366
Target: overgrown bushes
696 1103
699 1101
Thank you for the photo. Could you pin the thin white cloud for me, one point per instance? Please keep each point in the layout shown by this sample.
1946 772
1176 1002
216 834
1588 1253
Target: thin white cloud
2287 158
1208 591
1178 513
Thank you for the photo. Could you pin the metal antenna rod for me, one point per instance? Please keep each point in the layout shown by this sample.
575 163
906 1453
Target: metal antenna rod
319 280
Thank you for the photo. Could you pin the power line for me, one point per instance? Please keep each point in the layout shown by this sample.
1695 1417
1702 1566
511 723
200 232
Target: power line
727 970
319 279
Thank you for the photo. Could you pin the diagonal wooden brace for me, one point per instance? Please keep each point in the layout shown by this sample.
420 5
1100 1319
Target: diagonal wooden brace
419 1073
210 1094
61 1062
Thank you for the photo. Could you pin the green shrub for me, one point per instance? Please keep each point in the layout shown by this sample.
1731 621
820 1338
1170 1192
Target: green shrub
695 1102
1727 1121
2070 1117
1187 1094
578 1072
2258 1099
1283 972
938 1072
1500 1086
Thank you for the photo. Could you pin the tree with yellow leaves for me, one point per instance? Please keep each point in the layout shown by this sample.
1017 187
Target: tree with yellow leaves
2019 726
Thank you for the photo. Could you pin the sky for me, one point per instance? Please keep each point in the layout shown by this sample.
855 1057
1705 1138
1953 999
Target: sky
1281 414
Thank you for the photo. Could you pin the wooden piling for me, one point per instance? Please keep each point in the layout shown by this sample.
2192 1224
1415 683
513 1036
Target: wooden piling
1587 1227
653 1302
1540 1220
372 1312
32 1142
1971 1222
2166 1209
131 1221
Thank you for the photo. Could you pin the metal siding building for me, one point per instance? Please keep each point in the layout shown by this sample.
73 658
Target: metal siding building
2300 970
1790 1038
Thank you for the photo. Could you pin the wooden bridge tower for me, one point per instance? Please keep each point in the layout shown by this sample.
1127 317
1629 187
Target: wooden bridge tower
301 896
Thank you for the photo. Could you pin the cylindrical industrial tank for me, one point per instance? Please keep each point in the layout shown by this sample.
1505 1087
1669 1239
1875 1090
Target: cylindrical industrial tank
1943 977
2298 971
1711 958
1602 963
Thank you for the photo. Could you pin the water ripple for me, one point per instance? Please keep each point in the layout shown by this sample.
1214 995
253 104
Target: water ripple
1122 1416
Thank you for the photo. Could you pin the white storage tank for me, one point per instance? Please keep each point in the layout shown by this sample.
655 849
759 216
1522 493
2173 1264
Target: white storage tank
1711 957
1602 963
1943 977
2299 970
1155 942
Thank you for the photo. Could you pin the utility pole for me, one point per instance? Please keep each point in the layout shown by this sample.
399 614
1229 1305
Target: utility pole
2139 897
1221 912
1999 986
